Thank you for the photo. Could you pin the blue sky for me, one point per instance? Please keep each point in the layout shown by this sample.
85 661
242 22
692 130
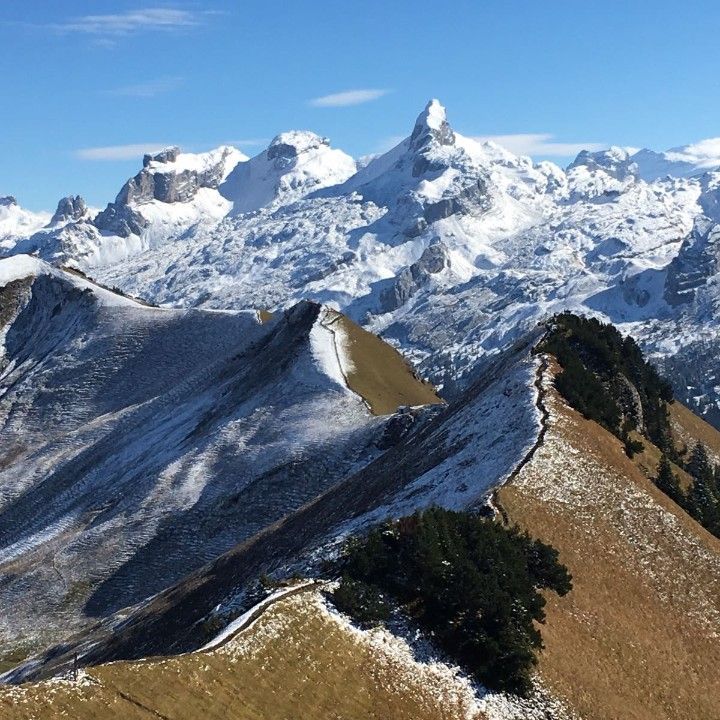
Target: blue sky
84 80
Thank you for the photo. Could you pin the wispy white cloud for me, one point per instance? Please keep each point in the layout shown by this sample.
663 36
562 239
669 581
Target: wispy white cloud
132 21
147 89
120 152
539 144
348 97
705 153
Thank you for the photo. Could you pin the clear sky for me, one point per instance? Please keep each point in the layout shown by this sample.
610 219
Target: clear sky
84 80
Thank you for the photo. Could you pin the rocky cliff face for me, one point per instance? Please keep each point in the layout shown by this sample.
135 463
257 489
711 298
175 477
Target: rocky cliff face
68 209
168 177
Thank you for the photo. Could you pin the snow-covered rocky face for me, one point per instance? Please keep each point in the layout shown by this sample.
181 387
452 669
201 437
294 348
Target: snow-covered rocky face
448 246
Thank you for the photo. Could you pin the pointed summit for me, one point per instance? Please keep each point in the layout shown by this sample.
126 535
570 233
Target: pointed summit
432 125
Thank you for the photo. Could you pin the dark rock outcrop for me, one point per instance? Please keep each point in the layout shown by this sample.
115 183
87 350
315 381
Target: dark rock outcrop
697 261
69 208
410 279
122 220
474 198
158 180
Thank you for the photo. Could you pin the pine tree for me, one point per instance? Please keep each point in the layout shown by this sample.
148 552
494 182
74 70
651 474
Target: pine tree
667 481
699 465
703 500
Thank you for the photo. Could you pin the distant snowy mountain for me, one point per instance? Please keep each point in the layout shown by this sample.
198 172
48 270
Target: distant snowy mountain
294 164
447 247
649 165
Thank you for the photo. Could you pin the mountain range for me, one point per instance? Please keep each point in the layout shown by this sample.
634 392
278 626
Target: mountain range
447 247
213 382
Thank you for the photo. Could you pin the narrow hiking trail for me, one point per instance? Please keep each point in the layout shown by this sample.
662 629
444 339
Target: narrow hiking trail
542 368
244 621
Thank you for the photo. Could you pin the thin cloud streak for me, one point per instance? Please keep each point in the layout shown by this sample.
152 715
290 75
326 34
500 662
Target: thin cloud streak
131 22
539 144
120 152
148 89
348 97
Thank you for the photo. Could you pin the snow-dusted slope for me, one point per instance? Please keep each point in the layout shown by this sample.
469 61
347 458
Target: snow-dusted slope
368 470
138 442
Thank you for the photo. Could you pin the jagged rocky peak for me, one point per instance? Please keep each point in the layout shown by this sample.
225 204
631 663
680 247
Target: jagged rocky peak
69 208
171 176
7 201
168 155
432 126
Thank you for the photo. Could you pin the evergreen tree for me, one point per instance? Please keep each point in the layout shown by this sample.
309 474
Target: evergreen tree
472 583
699 464
703 500
667 481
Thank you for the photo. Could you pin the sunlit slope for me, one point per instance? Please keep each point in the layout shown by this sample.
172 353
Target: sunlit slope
376 371
637 638
297 661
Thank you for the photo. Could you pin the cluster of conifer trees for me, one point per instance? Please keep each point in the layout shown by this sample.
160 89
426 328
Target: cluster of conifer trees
472 583
702 499
593 357
596 360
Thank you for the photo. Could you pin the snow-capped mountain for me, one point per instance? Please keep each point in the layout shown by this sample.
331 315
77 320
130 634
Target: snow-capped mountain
448 247
649 165
295 164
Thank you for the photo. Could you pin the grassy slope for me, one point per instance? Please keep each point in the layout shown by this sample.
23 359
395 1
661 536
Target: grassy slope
636 639
297 661
688 429
380 374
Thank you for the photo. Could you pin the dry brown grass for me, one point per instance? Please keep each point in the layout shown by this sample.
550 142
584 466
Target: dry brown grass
264 316
689 429
636 639
380 375
295 662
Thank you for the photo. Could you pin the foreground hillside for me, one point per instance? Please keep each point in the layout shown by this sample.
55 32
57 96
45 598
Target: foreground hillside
637 637
644 605
159 462
297 660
